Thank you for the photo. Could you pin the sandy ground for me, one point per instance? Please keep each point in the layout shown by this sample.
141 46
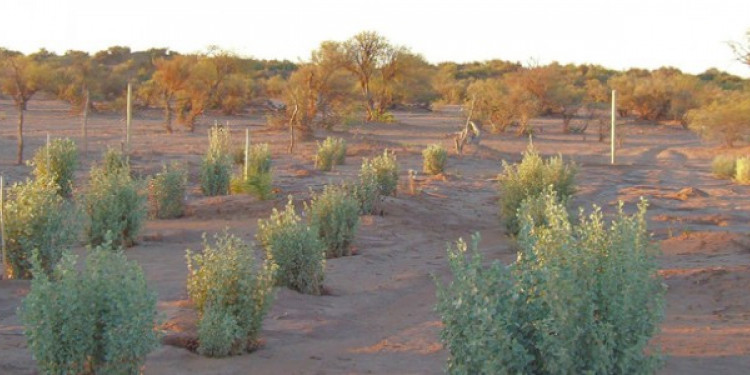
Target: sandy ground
379 315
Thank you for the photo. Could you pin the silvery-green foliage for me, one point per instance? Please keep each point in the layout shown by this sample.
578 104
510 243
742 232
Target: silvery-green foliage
57 162
216 168
231 294
581 298
385 169
366 190
434 158
114 162
100 320
166 192
37 217
331 151
295 248
256 178
114 204
334 215
528 180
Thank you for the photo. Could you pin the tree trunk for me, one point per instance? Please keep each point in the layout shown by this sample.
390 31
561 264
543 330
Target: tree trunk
566 124
21 108
168 113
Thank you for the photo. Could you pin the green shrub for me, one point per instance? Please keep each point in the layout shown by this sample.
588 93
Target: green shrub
434 157
257 177
37 218
57 162
230 293
166 192
97 321
528 180
296 249
114 204
366 190
114 162
331 151
723 166
579 299
216 168
334 214
385 169
385 117
742 171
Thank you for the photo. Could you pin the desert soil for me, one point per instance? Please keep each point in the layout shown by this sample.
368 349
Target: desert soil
378 315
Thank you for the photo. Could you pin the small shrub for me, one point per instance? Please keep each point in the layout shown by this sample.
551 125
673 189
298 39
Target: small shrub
114 162
742 171
37 218
434 157
257 177
331 151
385 169
216 168
579 299
114 205
166 193
366 190
57 162
385 117
528 180
296 249
230 293
723 166
334 214
100 320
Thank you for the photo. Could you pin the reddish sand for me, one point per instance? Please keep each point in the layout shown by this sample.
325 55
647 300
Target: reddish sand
379 315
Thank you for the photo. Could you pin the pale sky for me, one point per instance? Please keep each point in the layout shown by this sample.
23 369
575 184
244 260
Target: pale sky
691 35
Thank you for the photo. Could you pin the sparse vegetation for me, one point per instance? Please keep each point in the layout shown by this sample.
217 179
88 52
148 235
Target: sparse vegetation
57 162
166 192
723 166
434 158
256 178
100 320
529 179
232 294
296 249
37 219
334 214
331 152
593 291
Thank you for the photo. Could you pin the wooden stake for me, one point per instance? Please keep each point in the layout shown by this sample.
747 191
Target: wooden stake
128 120
84 122
247 152
612 136
2 227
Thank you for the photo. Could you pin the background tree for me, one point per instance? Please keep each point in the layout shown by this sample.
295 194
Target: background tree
169 78
21 77
726 119
365 53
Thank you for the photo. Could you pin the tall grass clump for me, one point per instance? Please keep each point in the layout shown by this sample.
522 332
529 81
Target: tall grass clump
57 162
231 294
216 168
100 320
166 193
528 180
114 204
331 152
723 166
334 214
256 178
742 170
37 219
295 248
581 298
385 169
434 158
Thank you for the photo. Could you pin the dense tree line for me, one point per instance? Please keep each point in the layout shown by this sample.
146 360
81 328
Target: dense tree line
365 77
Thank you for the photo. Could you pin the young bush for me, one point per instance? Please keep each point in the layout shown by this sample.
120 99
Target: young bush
334 214
114 204
166 193
114 162
579 299
528 180
331 151
98 321
216 168
723 166
57 162
742 171
231 295
257 177
385 169
366 190
296 249
434 158
37 218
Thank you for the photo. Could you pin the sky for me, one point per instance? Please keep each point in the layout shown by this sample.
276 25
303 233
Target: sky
691 35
